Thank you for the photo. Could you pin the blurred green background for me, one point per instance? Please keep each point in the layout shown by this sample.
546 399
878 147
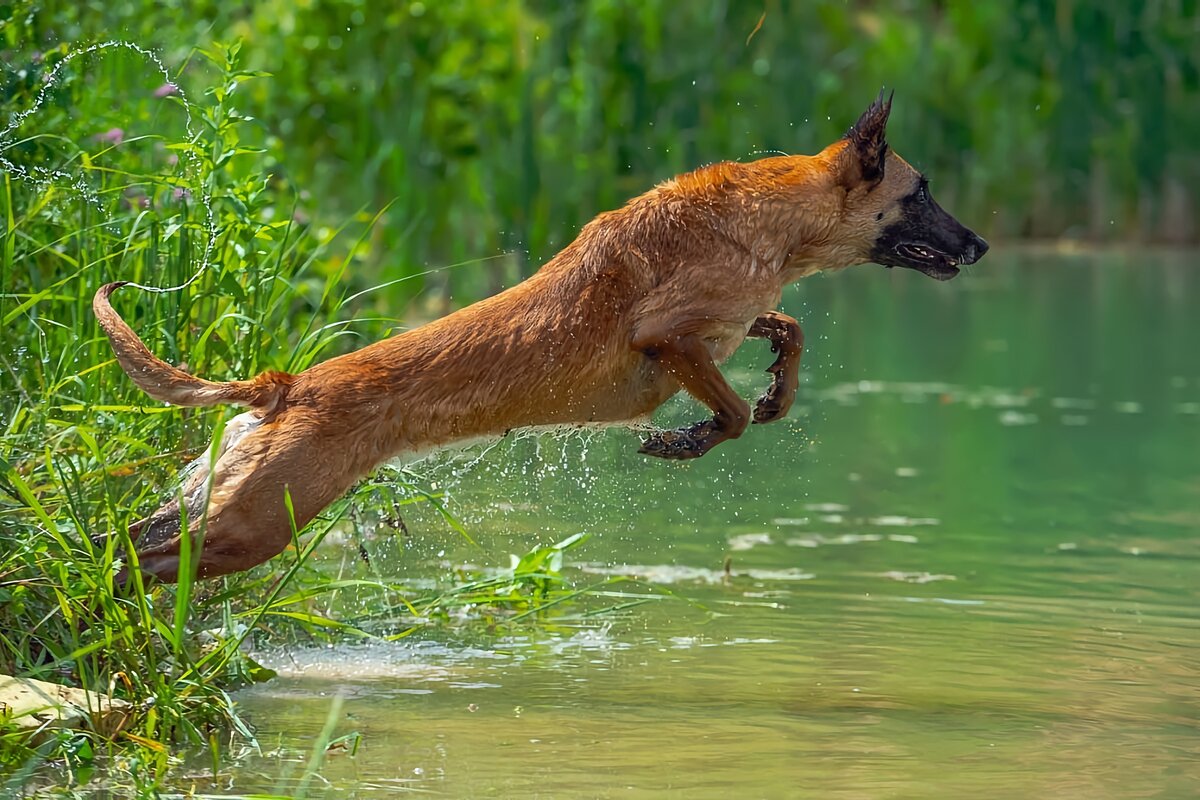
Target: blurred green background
487 127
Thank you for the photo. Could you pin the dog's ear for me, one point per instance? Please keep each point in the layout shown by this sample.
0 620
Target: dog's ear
867 146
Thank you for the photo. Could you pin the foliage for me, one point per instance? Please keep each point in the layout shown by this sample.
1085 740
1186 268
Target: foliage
504 126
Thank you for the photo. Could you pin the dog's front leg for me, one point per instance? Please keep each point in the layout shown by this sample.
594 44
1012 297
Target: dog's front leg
787 340
687 358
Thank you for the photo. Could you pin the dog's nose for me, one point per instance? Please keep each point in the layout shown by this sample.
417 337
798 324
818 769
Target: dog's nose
981 247
975 249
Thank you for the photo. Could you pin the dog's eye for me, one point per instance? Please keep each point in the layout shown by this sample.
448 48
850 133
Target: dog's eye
921 195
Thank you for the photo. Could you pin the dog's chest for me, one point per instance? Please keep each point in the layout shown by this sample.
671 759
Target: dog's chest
724 338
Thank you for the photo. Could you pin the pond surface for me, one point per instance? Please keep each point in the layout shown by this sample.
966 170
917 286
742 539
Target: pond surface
967 565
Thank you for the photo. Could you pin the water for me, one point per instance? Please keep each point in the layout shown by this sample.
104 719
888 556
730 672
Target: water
966 566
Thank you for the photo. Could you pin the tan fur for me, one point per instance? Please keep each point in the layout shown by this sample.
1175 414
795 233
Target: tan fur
647 300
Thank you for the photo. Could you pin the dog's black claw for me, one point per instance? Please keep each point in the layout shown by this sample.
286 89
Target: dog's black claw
691 442
770 407
667 445
766 411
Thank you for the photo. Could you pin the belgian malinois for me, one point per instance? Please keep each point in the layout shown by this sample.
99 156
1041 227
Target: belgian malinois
648 300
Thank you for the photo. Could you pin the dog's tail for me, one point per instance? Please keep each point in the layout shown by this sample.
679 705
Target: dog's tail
164 382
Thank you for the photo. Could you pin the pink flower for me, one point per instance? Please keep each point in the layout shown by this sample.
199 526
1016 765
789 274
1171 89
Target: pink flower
111 136
166 89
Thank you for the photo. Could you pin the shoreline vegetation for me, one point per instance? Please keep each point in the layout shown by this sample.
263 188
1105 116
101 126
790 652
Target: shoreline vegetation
83 456
357 169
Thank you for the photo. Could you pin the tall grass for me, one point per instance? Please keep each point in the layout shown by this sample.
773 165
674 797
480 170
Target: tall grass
84 453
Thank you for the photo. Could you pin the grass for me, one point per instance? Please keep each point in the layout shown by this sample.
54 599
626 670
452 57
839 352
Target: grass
83 453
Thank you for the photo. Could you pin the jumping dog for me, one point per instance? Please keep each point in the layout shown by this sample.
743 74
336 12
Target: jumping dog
648 300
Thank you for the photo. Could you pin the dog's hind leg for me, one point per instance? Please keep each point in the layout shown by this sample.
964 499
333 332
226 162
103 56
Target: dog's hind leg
787 340
246 522
165 522
269 479
688 359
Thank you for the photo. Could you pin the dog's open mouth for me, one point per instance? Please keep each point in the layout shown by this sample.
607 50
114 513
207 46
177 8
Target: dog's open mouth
929 260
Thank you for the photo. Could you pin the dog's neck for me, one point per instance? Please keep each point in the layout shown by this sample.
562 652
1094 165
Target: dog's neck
785 212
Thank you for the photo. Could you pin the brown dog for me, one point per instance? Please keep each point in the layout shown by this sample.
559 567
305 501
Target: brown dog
647 300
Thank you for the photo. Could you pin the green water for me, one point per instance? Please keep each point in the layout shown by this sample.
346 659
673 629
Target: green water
967 566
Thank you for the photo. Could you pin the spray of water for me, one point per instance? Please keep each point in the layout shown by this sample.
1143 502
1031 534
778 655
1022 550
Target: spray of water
42 176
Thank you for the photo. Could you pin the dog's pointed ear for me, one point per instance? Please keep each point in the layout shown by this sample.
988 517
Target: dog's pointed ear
866 149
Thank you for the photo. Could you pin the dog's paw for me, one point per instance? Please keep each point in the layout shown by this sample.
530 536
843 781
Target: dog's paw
690 442
773 405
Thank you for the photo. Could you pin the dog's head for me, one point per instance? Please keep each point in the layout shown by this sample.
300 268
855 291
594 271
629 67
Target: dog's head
890 209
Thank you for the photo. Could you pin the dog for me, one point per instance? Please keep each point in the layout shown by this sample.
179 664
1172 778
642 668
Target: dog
647 300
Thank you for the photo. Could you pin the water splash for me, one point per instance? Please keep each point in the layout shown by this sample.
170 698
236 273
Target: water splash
42 176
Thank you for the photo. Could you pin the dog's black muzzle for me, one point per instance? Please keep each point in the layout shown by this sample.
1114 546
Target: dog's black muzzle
928 239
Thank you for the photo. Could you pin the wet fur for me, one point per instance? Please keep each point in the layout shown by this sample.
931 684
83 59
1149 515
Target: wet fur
647 300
